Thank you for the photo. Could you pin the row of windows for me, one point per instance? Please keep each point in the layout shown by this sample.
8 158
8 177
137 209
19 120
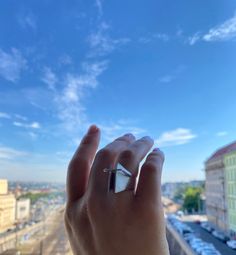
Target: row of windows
231 204
230 160
231 174
231 189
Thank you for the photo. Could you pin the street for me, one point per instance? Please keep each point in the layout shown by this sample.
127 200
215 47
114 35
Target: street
207 237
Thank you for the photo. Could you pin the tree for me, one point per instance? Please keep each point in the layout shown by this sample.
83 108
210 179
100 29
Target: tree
192 199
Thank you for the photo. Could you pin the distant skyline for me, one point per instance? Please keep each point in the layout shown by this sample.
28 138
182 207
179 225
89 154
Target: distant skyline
159 68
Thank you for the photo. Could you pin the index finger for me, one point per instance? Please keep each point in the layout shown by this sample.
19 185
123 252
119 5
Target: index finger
79 167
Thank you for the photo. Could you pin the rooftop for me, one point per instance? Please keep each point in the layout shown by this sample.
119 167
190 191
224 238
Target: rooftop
223 150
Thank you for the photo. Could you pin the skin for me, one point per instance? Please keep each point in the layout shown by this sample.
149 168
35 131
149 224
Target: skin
130 222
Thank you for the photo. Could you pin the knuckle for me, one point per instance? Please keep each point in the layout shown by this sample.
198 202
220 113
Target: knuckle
127 155
150 166
104 153
68 214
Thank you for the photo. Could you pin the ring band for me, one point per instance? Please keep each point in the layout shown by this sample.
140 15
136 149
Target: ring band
118 178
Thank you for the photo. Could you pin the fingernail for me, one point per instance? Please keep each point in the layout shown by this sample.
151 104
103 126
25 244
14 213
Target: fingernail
129 135
156 149
92 129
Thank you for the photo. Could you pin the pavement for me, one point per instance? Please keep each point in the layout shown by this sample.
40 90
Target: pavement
207 237
52 240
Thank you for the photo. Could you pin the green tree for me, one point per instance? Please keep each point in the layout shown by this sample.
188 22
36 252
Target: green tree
192 199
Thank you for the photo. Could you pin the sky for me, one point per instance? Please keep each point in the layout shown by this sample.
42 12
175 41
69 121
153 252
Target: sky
160 68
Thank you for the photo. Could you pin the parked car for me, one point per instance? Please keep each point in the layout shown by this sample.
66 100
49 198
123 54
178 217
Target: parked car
220 236
231 244
206 226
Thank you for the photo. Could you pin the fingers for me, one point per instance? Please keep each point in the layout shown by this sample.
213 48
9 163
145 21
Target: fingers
149 185
133 155
106 158
79 167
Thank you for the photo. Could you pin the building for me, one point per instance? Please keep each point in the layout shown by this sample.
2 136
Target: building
230 183
22 210
218 184
7 207
3 187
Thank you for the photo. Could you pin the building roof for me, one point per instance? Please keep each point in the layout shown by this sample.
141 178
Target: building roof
222 151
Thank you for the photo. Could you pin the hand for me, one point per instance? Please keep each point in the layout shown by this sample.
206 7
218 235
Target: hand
99 222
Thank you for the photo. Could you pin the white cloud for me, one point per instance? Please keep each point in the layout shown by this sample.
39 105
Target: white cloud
11 64
49 77
111 131
4 115
69 101
193 39
102 44
175 137
223 32
154 37
9 153
99 6
27 20
222 133
21 117
173 75
33 125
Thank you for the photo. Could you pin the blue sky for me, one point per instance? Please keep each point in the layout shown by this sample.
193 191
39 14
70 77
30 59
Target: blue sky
159 68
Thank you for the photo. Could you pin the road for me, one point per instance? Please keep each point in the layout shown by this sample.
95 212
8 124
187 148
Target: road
52 240
56 241
207 237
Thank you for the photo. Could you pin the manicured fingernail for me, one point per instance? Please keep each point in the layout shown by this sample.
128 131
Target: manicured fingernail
147 138
156 149
92 129
129 135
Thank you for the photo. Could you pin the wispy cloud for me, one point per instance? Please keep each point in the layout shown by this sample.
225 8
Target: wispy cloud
175 137
99 4
166 79
33 125
27 19
173 75
193 39
113 130
223 32
69 101
153 38
9 153
65 59
101 43
49 77
222 133
11 64
4 115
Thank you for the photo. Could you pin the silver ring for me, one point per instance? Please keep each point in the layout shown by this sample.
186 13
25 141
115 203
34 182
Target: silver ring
118 178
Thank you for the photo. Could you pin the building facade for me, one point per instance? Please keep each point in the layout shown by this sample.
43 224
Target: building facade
216 208
230 180
7 207
22 210
219 188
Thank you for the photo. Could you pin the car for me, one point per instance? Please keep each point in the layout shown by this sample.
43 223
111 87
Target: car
206 226
220 236
188 237
231 244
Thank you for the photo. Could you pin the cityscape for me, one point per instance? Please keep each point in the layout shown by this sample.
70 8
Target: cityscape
158 68
200 214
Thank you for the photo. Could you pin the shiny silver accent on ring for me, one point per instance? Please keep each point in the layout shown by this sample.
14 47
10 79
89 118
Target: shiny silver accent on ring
118 178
